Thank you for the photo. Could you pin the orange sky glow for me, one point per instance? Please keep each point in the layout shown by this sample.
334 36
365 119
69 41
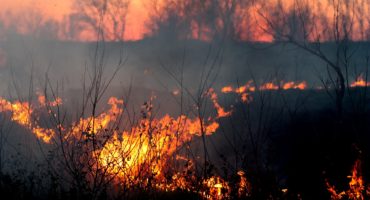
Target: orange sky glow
138 14
57 9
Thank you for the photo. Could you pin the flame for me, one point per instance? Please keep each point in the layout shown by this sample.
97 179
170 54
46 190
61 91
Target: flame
284 85
292 85
269 86
243 91
356 186
239 90
245 97
145 150
227 89
42 101
248 87
142 154
21 113
220 110
360 82
244 187
217 188
93 125
142 145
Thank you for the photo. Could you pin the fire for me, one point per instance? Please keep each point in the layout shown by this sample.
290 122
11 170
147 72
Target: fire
227 89
21 113
293 85
217 188
356 186
269 86
43 134
245 97
142 154
284 85
93 125
248 87
42 101
244 186
147 149
265 86
151 139
360 82
220 110
243 91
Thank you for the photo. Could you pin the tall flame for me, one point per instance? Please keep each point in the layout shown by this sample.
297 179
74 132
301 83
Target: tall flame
144 150
356 189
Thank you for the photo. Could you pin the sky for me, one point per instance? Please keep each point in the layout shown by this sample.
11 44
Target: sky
53 8
136 18
57 9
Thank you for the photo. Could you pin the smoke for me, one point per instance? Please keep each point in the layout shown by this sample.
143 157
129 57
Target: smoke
192 51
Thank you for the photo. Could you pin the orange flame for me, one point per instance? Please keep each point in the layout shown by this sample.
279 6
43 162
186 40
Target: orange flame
269 86
217 188
227 89
265 86
356 186
42 101
293 85
244 186
93 125
22 114
243 91
245 97
360 82
144 143
144 150
220 110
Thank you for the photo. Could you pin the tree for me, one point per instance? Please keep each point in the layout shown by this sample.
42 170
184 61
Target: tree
105 17
304 25
204 19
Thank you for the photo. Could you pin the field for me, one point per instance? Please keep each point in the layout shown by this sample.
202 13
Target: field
214 99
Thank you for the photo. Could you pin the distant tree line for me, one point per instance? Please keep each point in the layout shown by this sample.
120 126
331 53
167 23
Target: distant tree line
246 20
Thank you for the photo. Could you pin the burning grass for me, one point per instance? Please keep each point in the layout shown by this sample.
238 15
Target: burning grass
142 156
153 153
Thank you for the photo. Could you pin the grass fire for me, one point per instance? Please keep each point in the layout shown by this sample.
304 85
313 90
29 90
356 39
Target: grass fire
184 99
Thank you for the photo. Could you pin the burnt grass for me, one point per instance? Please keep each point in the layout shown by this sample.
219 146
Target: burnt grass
306 146
313 147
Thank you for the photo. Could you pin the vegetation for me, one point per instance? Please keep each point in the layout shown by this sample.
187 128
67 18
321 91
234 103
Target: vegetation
253 138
